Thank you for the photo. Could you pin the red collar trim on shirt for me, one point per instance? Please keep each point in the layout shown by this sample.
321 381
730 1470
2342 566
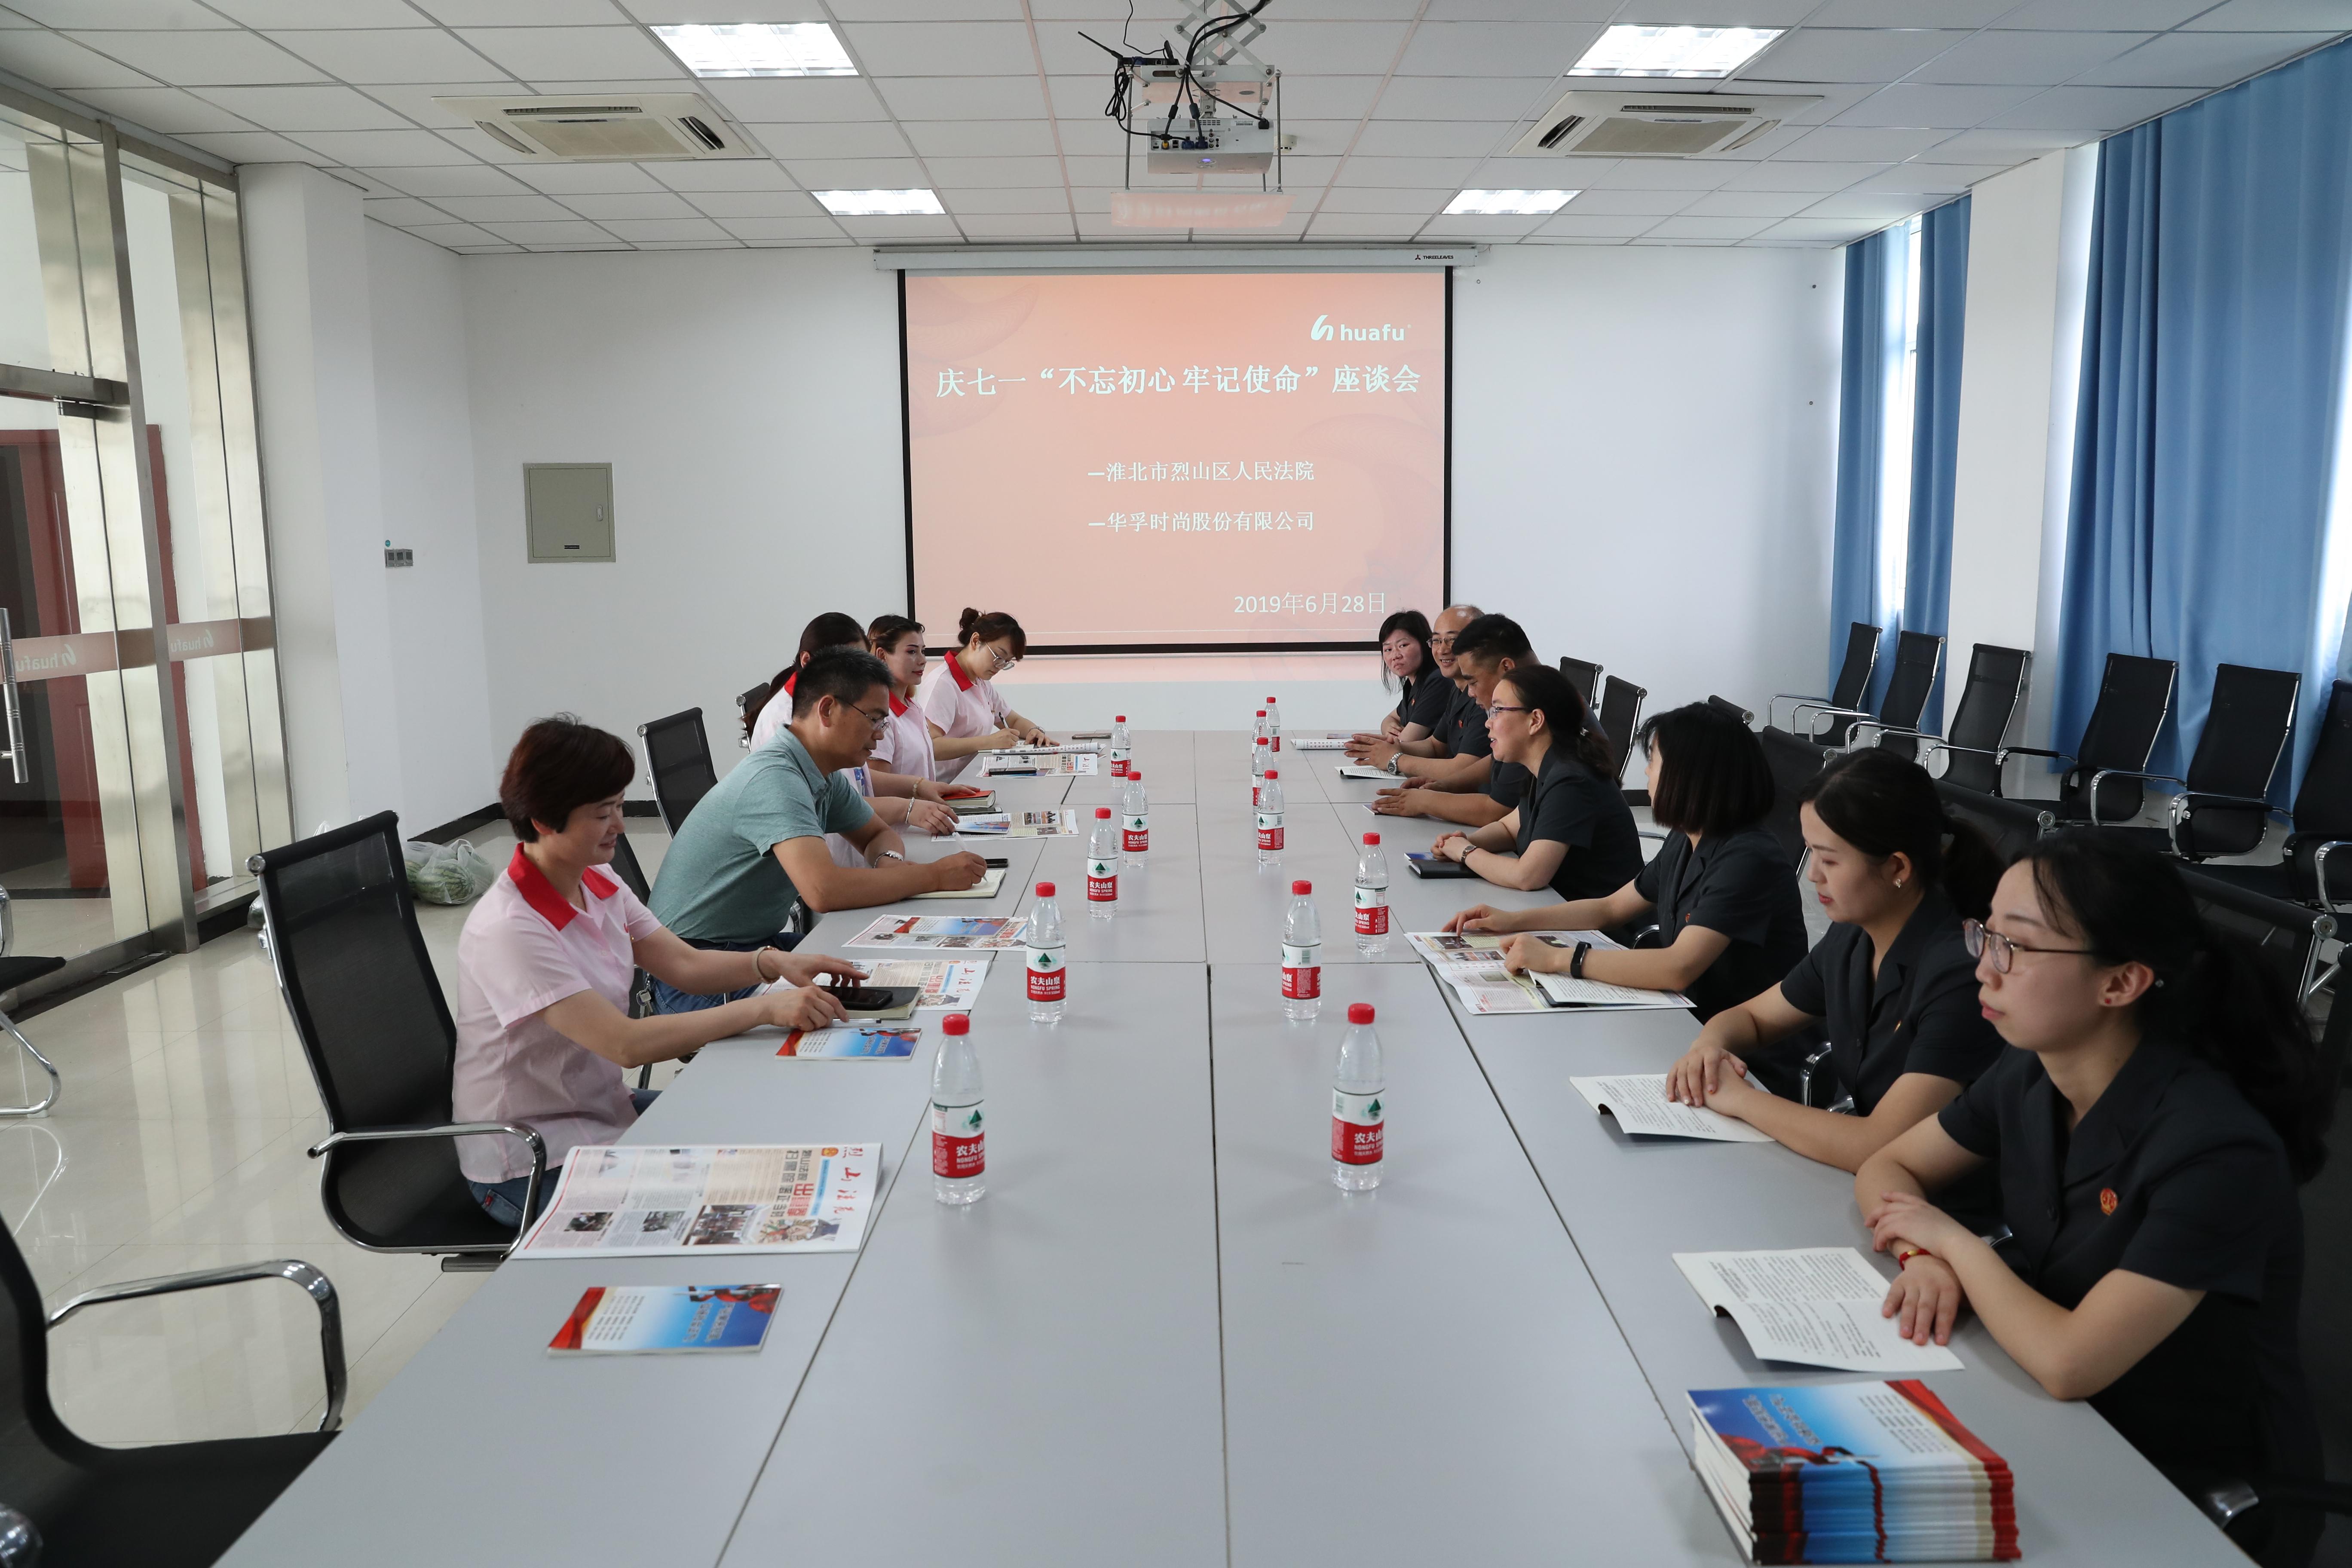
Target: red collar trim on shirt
955 667
539 893
598 883
898 705
788 682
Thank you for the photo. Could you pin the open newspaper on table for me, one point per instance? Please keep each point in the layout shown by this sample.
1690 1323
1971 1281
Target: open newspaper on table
707 1199
1472 964
977 934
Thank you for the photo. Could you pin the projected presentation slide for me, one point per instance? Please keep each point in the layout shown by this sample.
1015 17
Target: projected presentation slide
1177 461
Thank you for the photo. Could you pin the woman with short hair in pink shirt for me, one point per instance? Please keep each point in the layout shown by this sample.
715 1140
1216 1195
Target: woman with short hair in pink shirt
544 965
959 698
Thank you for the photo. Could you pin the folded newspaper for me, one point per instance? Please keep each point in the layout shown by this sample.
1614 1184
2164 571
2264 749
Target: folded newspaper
1472 964
649 1202
1020 763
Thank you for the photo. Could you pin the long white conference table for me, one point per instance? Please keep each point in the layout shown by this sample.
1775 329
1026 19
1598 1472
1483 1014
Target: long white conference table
1164 1337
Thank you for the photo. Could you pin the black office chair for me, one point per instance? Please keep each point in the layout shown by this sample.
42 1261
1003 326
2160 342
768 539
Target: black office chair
747 709
1726 705
1620 715
2011 825
626 867
2290 937
1919 658
1989 705
1582 675
678 765
16 971
1854 675
1793 760
2224 808
172 1505
2322 822
352 966
2135 694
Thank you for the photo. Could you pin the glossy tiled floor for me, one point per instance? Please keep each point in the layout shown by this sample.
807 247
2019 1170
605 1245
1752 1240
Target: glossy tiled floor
179 1143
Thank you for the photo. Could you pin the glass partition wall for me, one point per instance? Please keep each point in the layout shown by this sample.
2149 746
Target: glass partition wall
142 757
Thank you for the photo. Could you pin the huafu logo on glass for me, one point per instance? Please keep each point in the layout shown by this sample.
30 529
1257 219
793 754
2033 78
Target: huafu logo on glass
1325 329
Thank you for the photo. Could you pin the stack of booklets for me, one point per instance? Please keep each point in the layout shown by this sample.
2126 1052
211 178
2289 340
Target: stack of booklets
1852 1472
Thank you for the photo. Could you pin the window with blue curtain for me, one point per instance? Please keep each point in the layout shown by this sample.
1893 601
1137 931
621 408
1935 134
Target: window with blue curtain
2207 519
1898 430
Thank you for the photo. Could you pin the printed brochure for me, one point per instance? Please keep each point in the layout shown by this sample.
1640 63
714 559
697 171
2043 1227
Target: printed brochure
661 1320
1638 1103
852 1040
651 1201
989 933
1815 1306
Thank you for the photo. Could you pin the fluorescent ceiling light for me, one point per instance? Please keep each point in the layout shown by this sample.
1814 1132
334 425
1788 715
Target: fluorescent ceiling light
758 49
1522 203
879 204
1673 51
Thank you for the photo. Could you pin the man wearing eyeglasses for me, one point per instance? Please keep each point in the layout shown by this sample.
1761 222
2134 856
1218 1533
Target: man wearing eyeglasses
755 844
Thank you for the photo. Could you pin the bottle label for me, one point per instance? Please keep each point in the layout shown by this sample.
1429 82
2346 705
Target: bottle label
1273 740
1135 833
1102 881
1048 975
959 1147
1358 1123
1118 763
1257 788
1371 911
1269 830
1302 971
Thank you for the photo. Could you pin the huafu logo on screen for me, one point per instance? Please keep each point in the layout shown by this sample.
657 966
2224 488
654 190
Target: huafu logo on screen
1324 327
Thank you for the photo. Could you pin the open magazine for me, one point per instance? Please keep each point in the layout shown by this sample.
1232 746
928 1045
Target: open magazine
648 1202
987 933
1816 1306
1022 763
1471 963
1019 824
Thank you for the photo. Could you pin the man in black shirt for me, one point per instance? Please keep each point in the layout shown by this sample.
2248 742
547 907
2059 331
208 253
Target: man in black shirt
1469 787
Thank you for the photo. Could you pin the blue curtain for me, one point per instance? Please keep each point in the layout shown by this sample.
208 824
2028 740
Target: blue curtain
1936 433
2212 360
1874 275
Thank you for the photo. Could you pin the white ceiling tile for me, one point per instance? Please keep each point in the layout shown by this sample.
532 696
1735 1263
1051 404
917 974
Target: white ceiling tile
1822 230
2092 15
722 175
163 108
562 180
1541 174
481 145
1850 54
402 212
1459 98
637 205
1562 241
1750 204
252 147
1709 12
781 227
928 10
2090 110
966 173
832 139
1487 49
452 234
1948 108
668 228
521 13
384 149
1522 10
2006 147
773 102
386 53
524 208
1687 227
1356 11
2201 59
61 64
564 231
726 244
967 97
1077 96
1787 174
1860 144
892 230
576 54
755 204
1880 208
1102 169
414 100
1067 52
1329 138
854 173
2018 58
1634 204
467 179
1429 138
124 14
965 140
839 242
2273 16
197 60
1007 201
1427 172
1153 18
1333 48
1598 226
721 11
298 109
1015 225
1658 175
622 85
1423 203
305 13
941 49
1829 98
1328 97
1908 13
1929 179
371 188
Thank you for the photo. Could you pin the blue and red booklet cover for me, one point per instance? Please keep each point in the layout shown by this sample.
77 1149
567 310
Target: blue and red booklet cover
1852 1472
640 1319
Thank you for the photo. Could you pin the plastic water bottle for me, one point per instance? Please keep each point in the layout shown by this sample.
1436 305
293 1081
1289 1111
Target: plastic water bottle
1134 820
1102 868
1260 760
1120 751
1049 959
1372 898
1274 726
1359 1088
1259 731
959 1142
1269 819
1302 956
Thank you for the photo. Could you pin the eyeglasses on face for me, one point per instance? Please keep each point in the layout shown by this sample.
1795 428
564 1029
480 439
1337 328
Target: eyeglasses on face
1507 708
997 654
1441 639
875 719
1980 939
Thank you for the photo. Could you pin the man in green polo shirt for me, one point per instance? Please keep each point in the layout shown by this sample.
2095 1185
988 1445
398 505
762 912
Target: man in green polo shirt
756 841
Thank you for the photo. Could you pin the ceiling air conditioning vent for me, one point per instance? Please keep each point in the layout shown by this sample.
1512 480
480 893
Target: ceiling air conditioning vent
649 128
1651 124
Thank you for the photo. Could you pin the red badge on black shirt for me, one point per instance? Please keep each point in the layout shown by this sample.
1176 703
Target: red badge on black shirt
2106 1200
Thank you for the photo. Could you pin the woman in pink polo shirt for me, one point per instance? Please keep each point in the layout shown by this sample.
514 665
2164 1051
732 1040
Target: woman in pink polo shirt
905 746
959 698
544 964
901 796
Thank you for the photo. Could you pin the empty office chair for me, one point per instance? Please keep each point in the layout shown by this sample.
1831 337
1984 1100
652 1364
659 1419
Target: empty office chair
1584 676
1918 657
352 968
1726 705
2321 823
1794 761
1620 715
15 970
747 706
2011 825
2290 936
2135 694
1989 705
2223 808
678 765
1854 675
173 1505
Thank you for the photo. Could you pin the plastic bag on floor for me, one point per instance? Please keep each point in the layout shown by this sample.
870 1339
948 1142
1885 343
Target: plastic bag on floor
450 873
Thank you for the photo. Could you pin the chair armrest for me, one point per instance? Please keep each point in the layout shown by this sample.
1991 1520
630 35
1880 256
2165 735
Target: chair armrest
2203 796
1935 745
1658 832
2319 868
1789 697
456 1129
2103 774
2005 753
315 1284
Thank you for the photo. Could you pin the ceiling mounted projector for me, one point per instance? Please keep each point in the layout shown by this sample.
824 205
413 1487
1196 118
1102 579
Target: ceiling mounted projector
607 127
1646 122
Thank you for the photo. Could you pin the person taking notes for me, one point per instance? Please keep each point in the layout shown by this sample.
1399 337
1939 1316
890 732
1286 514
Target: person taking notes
966 713
899 796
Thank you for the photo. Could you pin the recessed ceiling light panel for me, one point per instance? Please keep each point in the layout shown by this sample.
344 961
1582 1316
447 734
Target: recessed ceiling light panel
1631 51
758 49
880 204
1517 203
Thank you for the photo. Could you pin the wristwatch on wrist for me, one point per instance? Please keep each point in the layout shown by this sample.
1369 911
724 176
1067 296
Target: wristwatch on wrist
1394 758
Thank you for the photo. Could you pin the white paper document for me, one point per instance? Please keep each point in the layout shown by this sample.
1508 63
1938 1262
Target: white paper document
1568 991
709 1200
1316 742
1816 1306
985 933
1019 824
1638 1103
1375 775
1020 763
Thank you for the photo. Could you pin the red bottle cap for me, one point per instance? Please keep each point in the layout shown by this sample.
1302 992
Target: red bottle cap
1102 811
1045 889
1273 773
956 1024
1133 776
1269 701
1302 888
1261 712
1119 719
1371 839
1359 1011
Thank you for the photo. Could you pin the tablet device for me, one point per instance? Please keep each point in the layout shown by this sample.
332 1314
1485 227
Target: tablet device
1436 868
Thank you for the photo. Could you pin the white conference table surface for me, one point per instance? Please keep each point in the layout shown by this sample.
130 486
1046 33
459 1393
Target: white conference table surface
1164 1337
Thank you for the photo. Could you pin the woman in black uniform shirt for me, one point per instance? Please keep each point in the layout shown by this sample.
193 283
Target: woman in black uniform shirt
1892 979
1723 890
2150 1131
1424 695
1570 830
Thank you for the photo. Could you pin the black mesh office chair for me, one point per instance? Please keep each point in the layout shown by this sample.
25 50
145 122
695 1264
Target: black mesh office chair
1854 675
747 709
1620 715
1793 760
16 970
678 765
1582 675
2223 808
1726 705
352 968
1919 658
2322 822
172 1505
2011 825
2135 694
1989 705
